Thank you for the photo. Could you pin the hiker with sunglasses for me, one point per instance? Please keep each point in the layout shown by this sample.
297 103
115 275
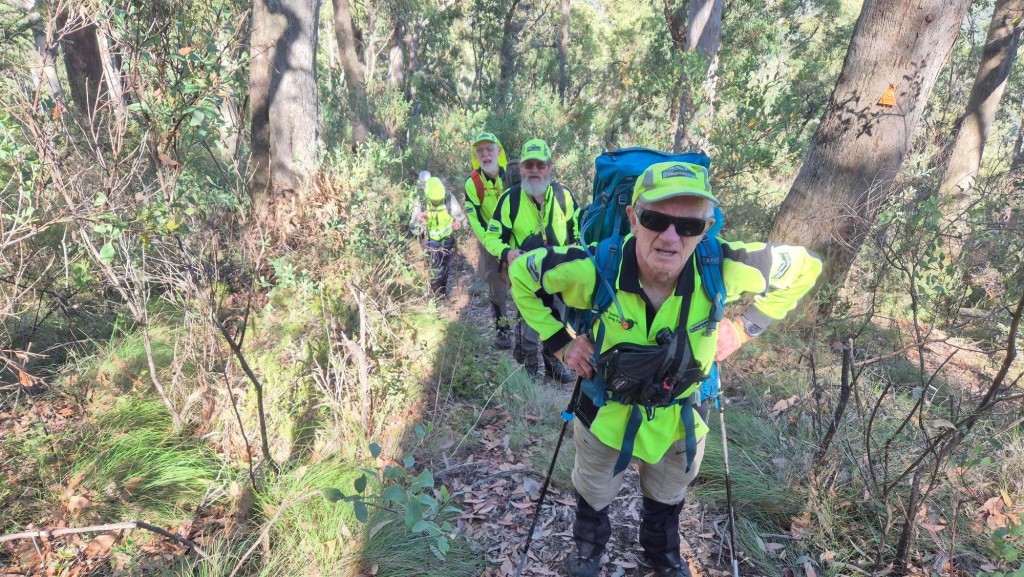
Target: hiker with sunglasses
538 212
656 350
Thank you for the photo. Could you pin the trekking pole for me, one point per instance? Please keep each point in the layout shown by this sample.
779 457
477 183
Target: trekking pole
567 416
728 481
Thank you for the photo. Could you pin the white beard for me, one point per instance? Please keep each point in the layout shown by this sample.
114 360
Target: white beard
536 190
490 168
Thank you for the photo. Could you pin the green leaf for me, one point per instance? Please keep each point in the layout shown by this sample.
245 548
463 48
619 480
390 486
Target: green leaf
420 526
425 480
107 253
413 513
442 545
333 495
374 450
360 484
408 461
361 513
197 118
420 431
394 493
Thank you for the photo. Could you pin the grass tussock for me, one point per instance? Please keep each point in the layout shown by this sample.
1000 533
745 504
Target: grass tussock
139 465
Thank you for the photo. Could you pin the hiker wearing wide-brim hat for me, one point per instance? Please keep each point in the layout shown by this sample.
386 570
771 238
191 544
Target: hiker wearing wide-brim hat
537 212
655 350
483 187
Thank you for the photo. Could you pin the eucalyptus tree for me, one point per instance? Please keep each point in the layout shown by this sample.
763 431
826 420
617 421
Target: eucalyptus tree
997 57
283 94
895 54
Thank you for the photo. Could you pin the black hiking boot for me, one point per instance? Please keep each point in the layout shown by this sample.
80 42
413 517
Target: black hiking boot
578 566
503 338
556 370
659 536
591 532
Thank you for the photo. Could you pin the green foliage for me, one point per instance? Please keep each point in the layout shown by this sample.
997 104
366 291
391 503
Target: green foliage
1007 545
426 510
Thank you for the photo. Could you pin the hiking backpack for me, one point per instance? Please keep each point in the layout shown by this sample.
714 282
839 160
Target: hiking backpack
603 227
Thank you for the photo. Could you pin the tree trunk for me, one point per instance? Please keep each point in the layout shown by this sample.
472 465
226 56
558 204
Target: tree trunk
282 84
699 29
997 59
860 144
43 70
111 64
704 35
82 62
511 27
294 124
563 54
355 77
263 36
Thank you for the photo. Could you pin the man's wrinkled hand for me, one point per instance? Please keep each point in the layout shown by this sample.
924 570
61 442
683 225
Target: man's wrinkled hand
731 337
577 354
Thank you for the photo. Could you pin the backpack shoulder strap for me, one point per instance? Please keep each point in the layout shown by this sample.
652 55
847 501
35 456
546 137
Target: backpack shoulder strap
709 254
514 200
558 191
479 184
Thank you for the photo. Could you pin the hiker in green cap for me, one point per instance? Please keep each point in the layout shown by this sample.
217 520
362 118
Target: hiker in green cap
656 348
536 213
483 187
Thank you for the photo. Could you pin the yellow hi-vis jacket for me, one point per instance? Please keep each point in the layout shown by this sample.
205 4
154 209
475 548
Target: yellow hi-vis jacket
778 276
519 223
480 203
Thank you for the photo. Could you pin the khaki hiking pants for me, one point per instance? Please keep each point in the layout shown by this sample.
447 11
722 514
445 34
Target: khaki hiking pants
489 269
665 481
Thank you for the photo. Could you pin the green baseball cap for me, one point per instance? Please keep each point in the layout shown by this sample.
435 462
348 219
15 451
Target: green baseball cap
536 149
486 137
671 179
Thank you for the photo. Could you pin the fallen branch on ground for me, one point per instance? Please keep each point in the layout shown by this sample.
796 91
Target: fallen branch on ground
52 533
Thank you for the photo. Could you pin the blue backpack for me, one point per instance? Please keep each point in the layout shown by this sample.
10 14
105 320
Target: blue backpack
604 223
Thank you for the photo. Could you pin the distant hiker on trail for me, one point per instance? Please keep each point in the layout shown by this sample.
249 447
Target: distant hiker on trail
483 187
436 225
538 212
655 355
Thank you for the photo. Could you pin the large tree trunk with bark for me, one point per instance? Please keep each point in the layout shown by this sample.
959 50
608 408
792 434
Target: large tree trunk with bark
355 76
997 59
860 144
266 28
82 62
282 83
294 122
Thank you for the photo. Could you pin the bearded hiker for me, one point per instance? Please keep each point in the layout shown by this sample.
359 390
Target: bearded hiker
538 212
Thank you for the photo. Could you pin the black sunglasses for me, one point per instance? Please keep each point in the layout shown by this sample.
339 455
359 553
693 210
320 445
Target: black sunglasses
659 222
